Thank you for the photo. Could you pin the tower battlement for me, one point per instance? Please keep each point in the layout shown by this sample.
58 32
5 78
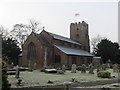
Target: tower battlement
77 23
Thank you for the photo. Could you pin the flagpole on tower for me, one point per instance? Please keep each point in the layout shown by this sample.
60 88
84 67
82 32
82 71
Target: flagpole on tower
76 15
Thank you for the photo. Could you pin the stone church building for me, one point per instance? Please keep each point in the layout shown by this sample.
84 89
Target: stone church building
46 48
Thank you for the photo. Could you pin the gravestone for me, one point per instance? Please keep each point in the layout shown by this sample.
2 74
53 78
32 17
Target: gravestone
63 68
35 66
73 70
30 65
99 68
83 68
108 65
115 68
91 69
12 65
60 72
79 68
103 67
17 72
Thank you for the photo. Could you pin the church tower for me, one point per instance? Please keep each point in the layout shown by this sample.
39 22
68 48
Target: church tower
79 32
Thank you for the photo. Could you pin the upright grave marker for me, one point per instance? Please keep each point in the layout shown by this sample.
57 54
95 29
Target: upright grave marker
73 70
17 72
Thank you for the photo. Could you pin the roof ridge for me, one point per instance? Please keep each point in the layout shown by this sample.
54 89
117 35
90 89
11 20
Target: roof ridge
60 35
65 38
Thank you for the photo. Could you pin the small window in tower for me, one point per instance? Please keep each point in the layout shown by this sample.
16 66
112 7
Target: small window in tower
77 29
77 35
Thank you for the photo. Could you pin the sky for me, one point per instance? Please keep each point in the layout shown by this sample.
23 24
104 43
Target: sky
101 15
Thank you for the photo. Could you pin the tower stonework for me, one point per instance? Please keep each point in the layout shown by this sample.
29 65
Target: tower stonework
79 32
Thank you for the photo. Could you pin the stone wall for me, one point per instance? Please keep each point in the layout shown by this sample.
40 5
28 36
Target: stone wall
80 28
67 59
38 47
79 32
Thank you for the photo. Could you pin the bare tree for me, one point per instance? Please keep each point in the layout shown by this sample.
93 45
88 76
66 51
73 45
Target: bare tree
95 41
4 32
20 32
35 26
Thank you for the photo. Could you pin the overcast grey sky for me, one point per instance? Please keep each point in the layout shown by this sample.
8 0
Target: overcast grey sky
102 17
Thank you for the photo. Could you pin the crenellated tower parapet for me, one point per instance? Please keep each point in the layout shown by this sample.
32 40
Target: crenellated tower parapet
79 32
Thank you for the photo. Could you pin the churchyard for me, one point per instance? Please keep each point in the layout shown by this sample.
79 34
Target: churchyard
37 78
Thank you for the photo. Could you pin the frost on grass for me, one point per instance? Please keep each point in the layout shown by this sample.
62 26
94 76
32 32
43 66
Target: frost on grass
114 85
37 78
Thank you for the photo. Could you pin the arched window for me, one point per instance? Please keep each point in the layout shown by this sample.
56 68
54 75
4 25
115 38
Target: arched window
31 51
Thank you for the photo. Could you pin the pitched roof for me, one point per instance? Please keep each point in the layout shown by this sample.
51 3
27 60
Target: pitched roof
42 39
73 51
55 36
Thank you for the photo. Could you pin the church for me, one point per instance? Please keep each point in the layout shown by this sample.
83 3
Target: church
50 49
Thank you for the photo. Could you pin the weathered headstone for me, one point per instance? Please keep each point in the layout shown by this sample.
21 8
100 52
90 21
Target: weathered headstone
35 66
99 68
73 70
63 68
79 68
108 65
30 65
91 69
12 65
115 68
83 68
60 72
17 72
103 67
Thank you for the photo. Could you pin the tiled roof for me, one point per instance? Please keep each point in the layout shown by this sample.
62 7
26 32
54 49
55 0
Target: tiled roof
73 51
55 36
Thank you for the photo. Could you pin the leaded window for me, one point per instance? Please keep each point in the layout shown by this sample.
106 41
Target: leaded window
31 51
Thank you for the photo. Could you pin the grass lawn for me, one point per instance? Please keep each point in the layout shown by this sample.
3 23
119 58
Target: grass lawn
37 78
114 85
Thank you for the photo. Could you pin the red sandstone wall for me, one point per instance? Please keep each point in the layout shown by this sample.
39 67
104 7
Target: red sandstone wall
80 29
47 36
40 51
32 38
